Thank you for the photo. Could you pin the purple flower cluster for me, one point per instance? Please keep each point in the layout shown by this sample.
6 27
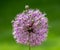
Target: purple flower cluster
30 27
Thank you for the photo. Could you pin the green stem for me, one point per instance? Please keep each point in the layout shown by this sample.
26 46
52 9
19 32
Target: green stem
29 47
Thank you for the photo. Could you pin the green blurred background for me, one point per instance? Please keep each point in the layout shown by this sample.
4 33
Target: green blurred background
9 9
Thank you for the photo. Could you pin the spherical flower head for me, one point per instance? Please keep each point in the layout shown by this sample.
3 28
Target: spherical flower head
30 27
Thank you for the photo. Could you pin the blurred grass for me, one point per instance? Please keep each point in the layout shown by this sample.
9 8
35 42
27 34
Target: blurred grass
9 9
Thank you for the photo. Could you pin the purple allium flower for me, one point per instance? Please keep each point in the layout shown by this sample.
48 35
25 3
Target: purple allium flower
30 27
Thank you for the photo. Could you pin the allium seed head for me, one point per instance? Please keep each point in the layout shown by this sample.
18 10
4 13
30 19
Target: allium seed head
30 27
